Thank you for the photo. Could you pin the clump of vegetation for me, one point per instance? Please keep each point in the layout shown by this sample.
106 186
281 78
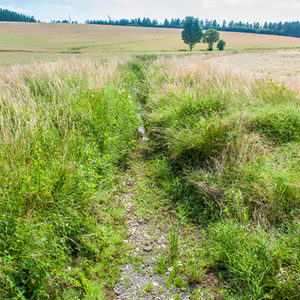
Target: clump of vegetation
192 34
221 45
64 136
229 153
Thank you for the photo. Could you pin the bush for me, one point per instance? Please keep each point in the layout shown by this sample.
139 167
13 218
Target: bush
221 45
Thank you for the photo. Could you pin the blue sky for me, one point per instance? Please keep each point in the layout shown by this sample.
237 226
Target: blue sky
244 10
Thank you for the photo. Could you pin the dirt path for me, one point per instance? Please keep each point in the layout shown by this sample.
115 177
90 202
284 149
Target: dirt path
150 272
146 241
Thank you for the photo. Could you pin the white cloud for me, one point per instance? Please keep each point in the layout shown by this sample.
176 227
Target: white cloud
17 9
63 6
124 2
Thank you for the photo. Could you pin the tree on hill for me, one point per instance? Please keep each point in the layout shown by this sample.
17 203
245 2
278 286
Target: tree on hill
192 32
221 44
210 37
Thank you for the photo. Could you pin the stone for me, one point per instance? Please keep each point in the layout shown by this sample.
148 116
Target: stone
147 248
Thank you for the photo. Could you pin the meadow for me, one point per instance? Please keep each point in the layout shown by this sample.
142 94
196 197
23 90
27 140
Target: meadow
24 42
221 155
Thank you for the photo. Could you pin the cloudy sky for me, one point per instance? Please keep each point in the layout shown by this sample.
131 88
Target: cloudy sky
237 10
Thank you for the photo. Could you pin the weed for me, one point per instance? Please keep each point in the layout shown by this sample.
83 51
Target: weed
162 264
127 282
147 288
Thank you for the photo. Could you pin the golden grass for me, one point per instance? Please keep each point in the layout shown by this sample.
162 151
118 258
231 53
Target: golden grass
281 66
15 95
100 72
201 70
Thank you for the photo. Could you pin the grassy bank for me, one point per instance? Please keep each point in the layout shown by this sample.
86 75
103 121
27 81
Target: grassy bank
223 149
226 148
66 129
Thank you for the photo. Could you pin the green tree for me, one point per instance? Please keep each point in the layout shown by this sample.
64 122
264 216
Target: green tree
210 37
221 44
192 32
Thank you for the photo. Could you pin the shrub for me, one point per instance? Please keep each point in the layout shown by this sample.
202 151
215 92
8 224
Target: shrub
221 45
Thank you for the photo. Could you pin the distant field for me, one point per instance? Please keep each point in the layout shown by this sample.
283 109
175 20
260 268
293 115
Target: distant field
25 42
280 65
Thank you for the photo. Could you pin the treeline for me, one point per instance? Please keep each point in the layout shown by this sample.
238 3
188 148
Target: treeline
145 22
64 22
286 28
12 16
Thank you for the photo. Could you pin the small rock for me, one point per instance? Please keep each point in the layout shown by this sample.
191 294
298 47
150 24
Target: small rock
155 284
147 248
118 293
141 221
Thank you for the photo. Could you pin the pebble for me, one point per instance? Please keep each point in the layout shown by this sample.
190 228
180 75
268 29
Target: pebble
146 236
148 248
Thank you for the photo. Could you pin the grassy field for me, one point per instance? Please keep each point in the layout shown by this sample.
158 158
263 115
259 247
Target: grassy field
25 42
222 152
278 65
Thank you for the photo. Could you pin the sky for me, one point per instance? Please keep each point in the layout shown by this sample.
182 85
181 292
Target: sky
81 10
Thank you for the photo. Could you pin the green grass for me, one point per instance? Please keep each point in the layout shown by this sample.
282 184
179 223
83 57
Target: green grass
223 153
62 144
228 151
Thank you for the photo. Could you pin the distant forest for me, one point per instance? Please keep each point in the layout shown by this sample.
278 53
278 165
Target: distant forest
11 16
286 28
